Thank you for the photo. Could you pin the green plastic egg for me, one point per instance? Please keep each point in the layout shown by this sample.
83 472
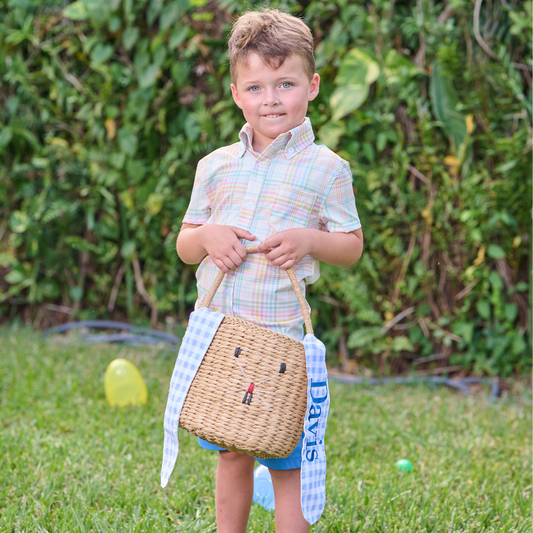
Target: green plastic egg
404 465
123 384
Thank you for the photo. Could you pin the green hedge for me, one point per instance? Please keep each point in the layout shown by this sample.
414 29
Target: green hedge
107 105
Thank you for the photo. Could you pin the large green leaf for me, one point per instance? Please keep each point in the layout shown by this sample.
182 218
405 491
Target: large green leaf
128 250
358 68
129 38
148 76
444 102
483 308
98 10
15 276
465 330
19 221
180 71
5 137
169 16
127 141
76 11
101 53
330 134
401 343
178 35
363 336
154 203
346 99
398 67
78 243
495 251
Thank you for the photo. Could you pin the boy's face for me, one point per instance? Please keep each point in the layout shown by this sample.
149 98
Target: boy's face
273 101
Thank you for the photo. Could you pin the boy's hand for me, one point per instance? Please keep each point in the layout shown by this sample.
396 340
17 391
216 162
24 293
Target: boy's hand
335 248
289 246
223 246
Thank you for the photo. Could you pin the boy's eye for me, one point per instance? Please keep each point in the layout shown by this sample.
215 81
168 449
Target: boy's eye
286 85
253 88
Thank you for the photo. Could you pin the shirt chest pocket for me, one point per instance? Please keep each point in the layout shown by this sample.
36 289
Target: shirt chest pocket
292 209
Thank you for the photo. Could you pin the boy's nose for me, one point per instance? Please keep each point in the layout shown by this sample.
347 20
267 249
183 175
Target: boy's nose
271 98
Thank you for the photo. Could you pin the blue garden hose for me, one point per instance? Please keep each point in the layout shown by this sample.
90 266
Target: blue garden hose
136 335
461 384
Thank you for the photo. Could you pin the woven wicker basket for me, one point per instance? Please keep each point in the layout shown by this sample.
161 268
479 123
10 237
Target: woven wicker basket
250 392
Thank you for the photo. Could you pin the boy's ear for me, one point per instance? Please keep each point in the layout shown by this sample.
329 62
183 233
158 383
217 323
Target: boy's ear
314 86
235 95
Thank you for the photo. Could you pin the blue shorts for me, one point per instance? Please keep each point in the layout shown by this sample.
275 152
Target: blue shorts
294 460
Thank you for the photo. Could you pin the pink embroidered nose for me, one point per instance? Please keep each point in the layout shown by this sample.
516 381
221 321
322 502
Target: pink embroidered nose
251 388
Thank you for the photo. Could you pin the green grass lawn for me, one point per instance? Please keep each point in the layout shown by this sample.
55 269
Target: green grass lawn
71 463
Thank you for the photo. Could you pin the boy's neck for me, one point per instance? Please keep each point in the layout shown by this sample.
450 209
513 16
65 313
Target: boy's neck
261 143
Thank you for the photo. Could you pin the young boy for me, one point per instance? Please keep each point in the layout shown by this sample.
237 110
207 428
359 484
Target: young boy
277 188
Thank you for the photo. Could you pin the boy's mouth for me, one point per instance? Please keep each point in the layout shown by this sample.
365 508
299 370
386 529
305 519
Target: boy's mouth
274 116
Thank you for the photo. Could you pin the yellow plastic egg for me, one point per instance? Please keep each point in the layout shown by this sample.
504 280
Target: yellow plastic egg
123 384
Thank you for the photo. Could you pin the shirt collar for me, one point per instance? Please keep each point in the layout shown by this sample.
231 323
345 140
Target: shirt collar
291 142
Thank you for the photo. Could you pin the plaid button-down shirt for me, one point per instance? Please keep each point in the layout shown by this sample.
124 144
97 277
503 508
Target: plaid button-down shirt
294 183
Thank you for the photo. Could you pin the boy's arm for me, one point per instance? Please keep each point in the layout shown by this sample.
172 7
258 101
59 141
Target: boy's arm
335 248
221 243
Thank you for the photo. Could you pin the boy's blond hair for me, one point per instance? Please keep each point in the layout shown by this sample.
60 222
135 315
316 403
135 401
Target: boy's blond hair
273 36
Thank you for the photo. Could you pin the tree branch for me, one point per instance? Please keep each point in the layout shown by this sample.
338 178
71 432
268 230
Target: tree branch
142 290
477 35
114 290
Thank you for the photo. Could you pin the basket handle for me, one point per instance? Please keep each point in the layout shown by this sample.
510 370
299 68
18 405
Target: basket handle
294 283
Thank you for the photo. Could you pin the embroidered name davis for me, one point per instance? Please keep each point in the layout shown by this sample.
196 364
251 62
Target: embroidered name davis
313 414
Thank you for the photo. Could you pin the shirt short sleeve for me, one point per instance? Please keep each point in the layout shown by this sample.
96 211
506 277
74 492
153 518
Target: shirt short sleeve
199 209
339 213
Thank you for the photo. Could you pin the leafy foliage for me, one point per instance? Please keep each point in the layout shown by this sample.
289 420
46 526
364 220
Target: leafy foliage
108 106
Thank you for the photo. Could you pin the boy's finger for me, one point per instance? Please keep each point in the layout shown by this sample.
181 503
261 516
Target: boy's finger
237 256
241 251
287 265
227 262
243 234
220 264
276 253
271 242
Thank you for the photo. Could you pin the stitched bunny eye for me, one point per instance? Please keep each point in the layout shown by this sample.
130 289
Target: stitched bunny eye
282 368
